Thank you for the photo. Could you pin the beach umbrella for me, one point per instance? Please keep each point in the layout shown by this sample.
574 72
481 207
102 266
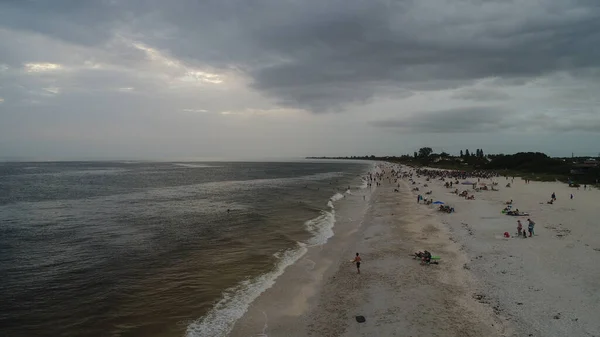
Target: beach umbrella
438 203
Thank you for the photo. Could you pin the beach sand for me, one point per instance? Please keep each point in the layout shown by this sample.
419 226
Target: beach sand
485 284
547 285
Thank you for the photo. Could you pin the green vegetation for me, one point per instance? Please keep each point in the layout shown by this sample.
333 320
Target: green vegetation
529 165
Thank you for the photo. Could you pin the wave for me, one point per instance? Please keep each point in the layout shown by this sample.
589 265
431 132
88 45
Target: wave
364 184
336 197
321 227
195 165
236 300
221 319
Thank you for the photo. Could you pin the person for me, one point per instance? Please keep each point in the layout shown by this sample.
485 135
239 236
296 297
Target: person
530 227
426 259
519 227
357 260
571 196
553 196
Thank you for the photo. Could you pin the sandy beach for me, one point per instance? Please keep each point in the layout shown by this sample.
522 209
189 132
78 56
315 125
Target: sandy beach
485 284
546 285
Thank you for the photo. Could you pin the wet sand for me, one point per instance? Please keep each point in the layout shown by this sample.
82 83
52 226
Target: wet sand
282 310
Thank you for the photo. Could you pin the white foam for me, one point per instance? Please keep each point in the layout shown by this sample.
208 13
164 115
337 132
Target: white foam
194 165
321 227
365 184
336 197
330 204
236 300
348 192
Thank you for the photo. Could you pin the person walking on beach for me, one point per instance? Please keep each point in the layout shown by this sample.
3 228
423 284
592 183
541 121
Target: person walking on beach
530 227
357 260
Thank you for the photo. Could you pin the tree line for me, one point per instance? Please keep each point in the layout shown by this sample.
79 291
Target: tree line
536 163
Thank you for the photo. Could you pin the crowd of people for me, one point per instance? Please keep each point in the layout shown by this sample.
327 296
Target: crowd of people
452 177
391 175
455 174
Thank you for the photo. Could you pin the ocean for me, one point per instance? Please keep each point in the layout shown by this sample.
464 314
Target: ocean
155 249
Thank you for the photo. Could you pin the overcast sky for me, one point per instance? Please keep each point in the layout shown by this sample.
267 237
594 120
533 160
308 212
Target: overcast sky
222 79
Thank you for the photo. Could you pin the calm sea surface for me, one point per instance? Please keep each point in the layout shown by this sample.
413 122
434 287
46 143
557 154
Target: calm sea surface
153 249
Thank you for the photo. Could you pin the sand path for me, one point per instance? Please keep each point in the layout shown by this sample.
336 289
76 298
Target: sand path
397 295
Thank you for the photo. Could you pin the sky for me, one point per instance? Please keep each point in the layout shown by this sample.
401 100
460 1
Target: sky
223 79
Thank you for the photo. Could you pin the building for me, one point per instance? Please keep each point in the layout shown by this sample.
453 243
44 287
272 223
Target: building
585 167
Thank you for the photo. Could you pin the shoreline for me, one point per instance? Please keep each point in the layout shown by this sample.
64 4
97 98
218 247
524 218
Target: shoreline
279 309
237 304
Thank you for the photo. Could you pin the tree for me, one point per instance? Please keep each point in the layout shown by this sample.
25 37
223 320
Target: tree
444 155
481 153
415 154
461 154
467 154
425 152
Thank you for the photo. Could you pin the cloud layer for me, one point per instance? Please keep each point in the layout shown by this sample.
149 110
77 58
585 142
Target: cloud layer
321 55
482 65
472 119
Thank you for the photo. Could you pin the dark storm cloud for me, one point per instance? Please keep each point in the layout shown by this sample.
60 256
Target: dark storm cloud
82 22
457 120
323 55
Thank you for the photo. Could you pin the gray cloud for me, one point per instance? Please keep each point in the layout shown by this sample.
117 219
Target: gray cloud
325 55
586 121
456 120
134 72
481 95
492 119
